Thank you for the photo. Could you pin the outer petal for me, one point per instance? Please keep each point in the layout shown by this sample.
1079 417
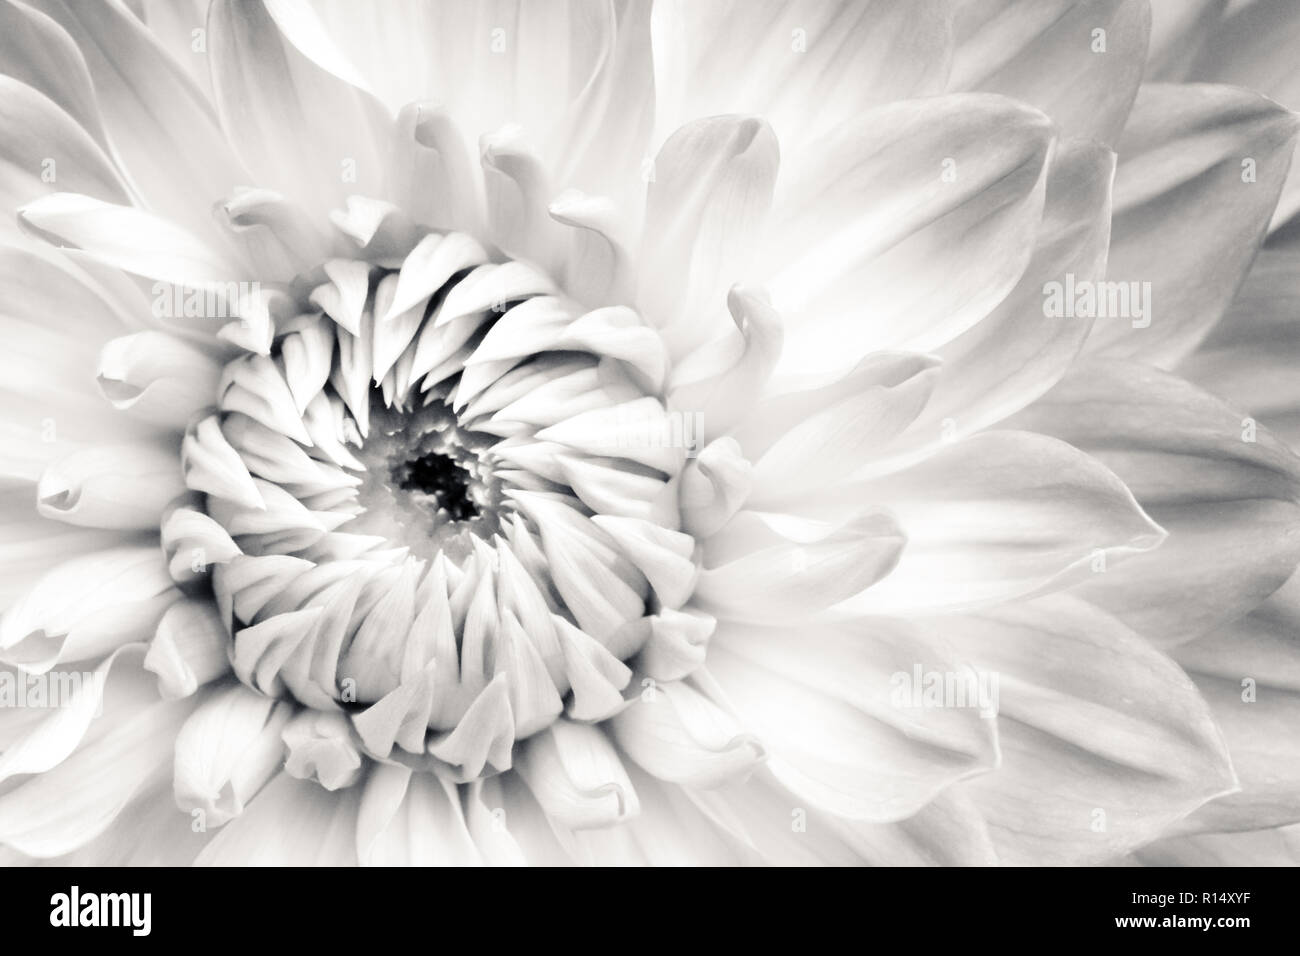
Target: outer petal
917 219
1254 47
33 545
710 194
769 824
178 26
40 53
149 831
291 823
575 75
229 747
112 486
412 819
87 606
678 735
1016 353
1278 847
160 123
302 130
123 237
757 573
1201 168
1258 723
1079 61
1000 515
843 56
1180 29
821 701
577 776
1250 358
54 324
1225 491
1105 741
1249 671
43 148
58 811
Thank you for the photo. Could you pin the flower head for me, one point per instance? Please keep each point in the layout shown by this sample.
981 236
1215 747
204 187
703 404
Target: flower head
761 448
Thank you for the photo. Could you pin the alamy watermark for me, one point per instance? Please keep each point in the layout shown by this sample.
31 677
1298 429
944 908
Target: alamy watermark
212 300
621 430
1086 299
966 688
130 910
52 690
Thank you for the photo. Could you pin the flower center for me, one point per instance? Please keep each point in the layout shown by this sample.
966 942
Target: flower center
445 504
428 484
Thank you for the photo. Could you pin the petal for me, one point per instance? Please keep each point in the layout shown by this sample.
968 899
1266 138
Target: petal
669 831
431 175
112 486
721 384
188 649
159 121
1180 29
916 221
1015 354
679 736
999 515
777 827
577 776
844 56
412 819
1079 61
228 749
606 143
41 54
290 823
947 831
1249 671
1253 47
771 825
49 406
1261 646
756 573
87 606
832 442
76 700
714 486
1105 741
33 545
1249 360
1279 847
1225 491
822 700
271 100
320 747
710 193
157 378
149 831
58 811
130 239
1258 722
574 75
43 149
1200 171
174 23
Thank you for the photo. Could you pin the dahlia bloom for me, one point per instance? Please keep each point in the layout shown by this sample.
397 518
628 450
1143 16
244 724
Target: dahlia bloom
645 433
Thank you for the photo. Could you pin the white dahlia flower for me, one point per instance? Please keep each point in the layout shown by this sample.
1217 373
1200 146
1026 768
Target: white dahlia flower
613 432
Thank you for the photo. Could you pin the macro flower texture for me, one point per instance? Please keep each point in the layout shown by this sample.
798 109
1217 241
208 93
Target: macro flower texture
615 432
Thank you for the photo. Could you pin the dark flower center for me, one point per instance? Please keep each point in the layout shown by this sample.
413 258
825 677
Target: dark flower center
441 478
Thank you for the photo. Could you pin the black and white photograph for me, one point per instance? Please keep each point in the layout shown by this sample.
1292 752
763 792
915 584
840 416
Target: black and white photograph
650 433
